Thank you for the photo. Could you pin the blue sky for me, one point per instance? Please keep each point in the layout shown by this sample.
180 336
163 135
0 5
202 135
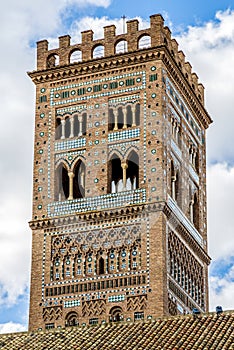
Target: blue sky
204 32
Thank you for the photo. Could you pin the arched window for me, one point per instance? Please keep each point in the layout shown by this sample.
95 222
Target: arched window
129 116
101 266
61 183
116 314
72 319
84 123
132 174
196 211
120 118
76 125
58 129
115 175
67 127
121 46
52 61
137 113
98 51
76 56
79 180
144 42
111 120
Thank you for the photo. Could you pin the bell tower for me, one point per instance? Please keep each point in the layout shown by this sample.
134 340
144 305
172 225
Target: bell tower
119 196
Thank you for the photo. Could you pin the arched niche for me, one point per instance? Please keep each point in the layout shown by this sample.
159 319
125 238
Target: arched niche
121 46
79 180
132 173
115 174
61 183
76 56
144 42
98 51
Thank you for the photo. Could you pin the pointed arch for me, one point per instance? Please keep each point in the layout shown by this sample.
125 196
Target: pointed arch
61 191
79 180
115 173
133 171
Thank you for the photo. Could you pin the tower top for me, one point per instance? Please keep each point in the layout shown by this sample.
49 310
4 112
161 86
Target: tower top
160 38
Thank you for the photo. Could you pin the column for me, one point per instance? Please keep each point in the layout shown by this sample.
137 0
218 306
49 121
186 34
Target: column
134 115
82 178
116 120
124 166
63 129
173 128
80 118
71 127
177 129
173 181
124 117
194 157
71 176
191 209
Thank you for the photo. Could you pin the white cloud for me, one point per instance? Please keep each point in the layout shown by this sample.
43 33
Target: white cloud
12 327
221 290
210 49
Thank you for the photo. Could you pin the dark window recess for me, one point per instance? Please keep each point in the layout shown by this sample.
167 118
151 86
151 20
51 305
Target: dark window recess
65 94
113 85
153 77
138 316
43 98
49 326
81 91
97 88
130 82
93 321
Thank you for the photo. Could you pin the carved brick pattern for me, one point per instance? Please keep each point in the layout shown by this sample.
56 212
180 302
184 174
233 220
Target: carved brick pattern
172 308
113 237
137 303
52 313
185 268
93 308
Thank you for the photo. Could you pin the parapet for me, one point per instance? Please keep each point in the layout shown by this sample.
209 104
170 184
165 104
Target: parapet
133 40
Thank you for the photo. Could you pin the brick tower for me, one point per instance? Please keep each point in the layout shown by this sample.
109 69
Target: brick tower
119 196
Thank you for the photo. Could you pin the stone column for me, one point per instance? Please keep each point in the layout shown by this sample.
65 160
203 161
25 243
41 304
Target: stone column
173 181
124 117
63 129
191 209
116 120
194 157
71 176
124 166
72 127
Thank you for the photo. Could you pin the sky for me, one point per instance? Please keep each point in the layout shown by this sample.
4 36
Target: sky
206 35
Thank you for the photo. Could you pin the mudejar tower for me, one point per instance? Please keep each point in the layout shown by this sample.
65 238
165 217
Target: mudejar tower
119 197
